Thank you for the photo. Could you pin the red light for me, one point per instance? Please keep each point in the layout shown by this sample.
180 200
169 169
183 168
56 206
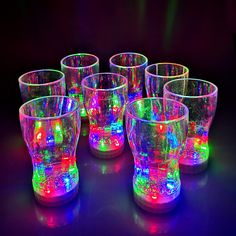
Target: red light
160 128
47 191
115 109
116 143
39 136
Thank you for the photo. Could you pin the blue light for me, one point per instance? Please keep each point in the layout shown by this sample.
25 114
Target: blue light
50 140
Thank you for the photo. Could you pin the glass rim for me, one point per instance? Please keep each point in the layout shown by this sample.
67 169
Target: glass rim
132 53
77 107
165 90
61 79
79 54
104 90
185 116
166 76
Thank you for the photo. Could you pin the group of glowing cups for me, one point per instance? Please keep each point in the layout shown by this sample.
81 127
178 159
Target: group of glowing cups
163 133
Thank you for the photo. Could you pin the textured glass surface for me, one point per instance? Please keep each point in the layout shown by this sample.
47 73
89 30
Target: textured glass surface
156 75
50 128
201 98
132 66
156 130
105 96
40 83
76 67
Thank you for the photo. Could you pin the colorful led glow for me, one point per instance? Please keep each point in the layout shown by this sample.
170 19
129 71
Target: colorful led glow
156 138
76 67
196 150
112 137
132 66
105 98
200 97
158 184
51 179
83 112
58 134
52 144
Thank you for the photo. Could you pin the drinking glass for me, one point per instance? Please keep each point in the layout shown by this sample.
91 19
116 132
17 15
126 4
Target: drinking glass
156 130
200 97
131 65
156 75
50 127
105 96
40 83
76 67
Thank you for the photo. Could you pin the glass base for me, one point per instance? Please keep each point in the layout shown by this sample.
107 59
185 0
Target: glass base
194 158
106 154
193 168
57 201
163 207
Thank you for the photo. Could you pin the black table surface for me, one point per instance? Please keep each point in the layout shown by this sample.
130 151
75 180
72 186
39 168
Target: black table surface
199 34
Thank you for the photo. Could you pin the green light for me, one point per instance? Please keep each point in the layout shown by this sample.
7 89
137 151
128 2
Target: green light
38 124
204 147
104 169
46 156
144 154
169 175
140 109
38 177
115 100
81 98
102 145
83 112
58 136
58 128
107 129
176 174
71 169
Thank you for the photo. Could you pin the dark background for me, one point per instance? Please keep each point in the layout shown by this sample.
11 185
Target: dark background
199 34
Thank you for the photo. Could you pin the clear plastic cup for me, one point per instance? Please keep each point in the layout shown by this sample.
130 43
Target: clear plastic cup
50 128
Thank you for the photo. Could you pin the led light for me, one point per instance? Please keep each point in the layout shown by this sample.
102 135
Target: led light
156 137
66 180
52 147
38 124
39 136
83 112
200 97
105 113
